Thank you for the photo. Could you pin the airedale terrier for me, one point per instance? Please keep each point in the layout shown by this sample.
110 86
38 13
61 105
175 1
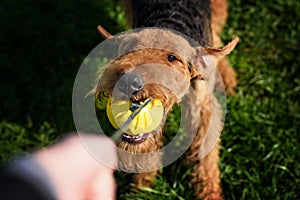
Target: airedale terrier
157 63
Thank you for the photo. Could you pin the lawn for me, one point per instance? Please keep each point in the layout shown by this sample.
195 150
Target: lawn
44 42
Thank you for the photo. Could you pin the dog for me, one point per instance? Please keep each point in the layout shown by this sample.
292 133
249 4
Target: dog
161 63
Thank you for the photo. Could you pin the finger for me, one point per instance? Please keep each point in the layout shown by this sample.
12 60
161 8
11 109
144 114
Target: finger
103 186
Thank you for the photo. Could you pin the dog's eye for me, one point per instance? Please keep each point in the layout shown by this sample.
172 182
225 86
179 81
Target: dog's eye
172 58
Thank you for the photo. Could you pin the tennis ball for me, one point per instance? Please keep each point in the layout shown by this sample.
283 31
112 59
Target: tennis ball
147 120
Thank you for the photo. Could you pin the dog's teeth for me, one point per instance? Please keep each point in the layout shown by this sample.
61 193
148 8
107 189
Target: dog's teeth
133 138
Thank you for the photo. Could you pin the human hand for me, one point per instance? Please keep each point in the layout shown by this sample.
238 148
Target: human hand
73 171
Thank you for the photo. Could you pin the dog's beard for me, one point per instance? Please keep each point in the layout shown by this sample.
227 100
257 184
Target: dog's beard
140 157
144 155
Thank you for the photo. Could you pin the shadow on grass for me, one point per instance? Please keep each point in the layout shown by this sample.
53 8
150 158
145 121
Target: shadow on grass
44 42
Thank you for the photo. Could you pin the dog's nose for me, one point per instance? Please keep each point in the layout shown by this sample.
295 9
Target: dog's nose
130 83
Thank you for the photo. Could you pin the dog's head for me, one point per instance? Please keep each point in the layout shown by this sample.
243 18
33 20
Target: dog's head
157 64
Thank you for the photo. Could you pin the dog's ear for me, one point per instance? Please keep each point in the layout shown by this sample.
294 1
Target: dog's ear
104 33
207 59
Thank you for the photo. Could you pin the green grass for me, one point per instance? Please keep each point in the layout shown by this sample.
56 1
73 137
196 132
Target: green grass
44 42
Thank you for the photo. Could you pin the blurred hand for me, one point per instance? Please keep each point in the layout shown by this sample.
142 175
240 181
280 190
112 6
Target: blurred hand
75 174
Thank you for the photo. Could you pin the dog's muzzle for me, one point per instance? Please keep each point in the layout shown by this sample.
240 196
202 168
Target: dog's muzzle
134 121
130 83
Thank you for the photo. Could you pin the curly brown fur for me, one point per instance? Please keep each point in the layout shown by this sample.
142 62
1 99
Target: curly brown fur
133 162
205 174
188 17
147 55
202 21
218 19
142 57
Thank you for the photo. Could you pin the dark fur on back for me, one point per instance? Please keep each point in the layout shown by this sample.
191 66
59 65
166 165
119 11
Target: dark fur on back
201 20
190 17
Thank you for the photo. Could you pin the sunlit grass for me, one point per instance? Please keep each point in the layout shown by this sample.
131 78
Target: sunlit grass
260 142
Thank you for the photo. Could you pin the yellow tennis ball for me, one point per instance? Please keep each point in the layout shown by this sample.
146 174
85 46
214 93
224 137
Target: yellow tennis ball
147 120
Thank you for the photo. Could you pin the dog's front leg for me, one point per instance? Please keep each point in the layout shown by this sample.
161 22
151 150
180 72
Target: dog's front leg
201 108
144 179
147 167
